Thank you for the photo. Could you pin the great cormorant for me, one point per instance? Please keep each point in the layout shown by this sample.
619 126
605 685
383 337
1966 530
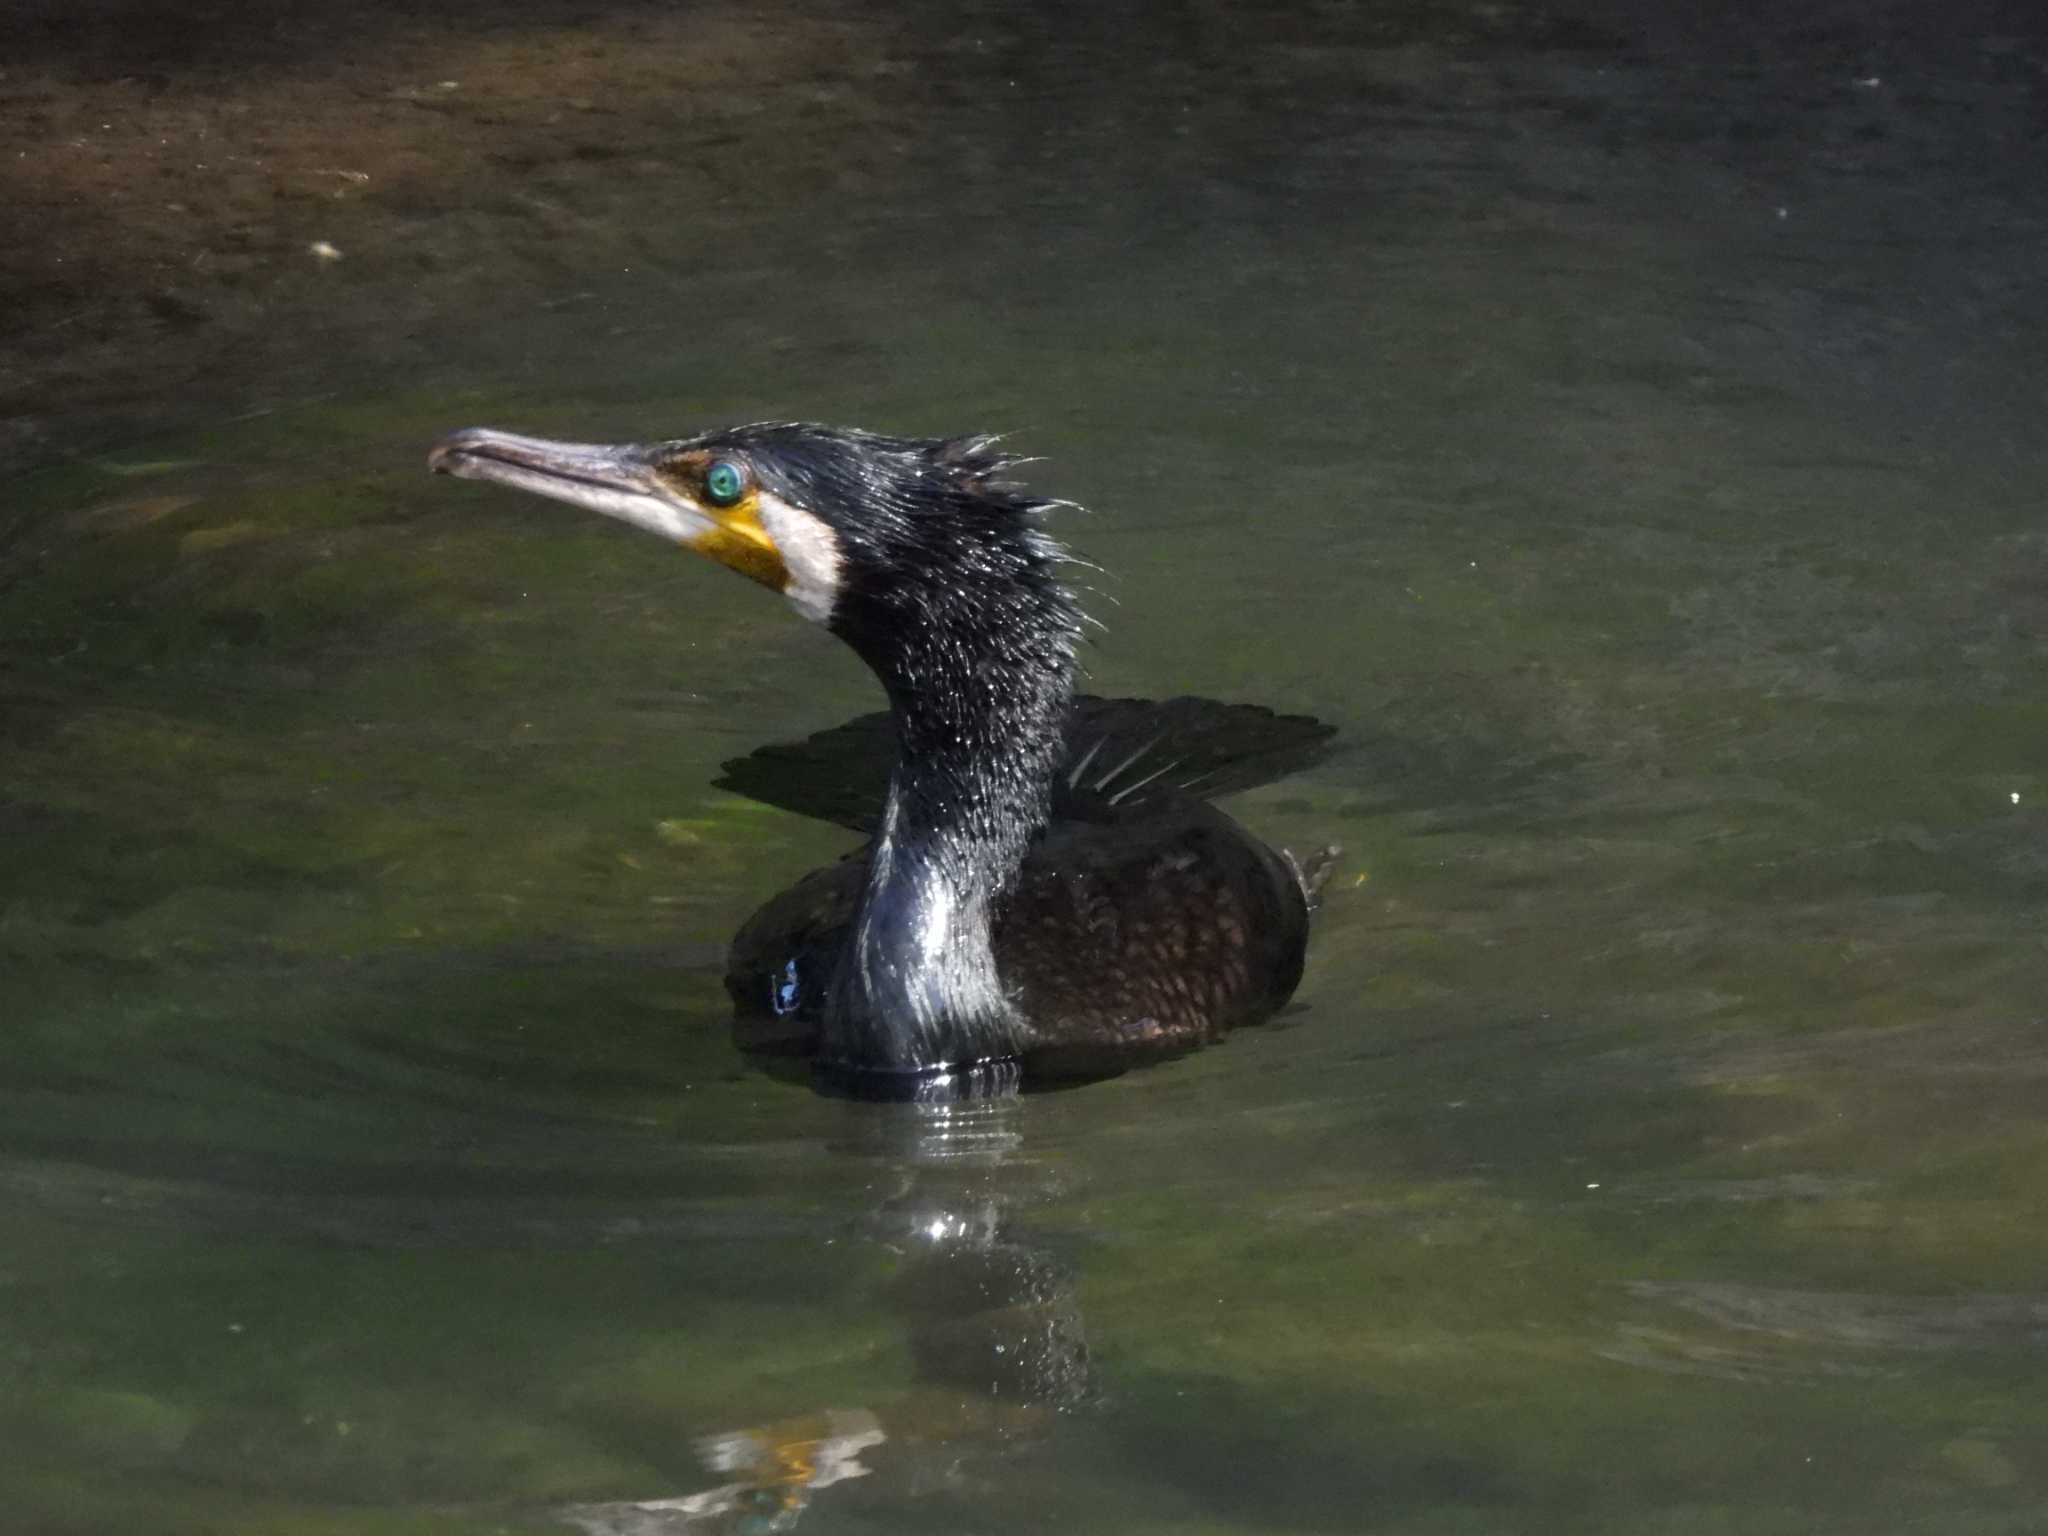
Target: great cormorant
1047 892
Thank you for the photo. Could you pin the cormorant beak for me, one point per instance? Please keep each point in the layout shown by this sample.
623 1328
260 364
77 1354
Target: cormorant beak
641 484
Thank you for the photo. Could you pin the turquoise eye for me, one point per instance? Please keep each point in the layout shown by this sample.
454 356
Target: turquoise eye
723 483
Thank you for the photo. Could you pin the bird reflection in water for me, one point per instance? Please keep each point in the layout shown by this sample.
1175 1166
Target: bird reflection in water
779 1467
994 1334
988 1311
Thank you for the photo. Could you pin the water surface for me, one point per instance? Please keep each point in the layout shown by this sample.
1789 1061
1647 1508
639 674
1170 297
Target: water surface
1626 434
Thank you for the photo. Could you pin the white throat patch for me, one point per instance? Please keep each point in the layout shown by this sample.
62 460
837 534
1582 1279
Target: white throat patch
810 552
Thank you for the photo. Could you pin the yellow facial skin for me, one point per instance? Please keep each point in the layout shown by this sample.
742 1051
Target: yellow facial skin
735 538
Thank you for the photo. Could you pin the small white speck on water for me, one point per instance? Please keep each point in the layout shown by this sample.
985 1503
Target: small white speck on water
320 250
2015 797
1592 1186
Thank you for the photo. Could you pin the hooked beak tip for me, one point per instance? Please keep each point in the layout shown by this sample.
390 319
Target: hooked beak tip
445 457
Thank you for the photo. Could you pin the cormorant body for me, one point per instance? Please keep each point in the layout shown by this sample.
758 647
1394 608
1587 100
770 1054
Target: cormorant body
1046 892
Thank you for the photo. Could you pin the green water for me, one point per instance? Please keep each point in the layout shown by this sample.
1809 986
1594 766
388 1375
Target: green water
1628 439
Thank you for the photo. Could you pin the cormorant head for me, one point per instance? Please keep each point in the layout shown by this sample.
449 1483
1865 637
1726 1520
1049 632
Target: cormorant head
887 540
